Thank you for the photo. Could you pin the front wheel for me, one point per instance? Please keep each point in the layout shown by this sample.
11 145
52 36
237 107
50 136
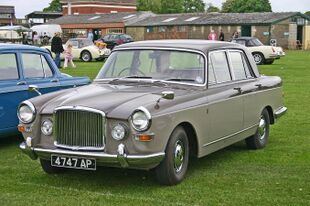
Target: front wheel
48 168
259 58
172 169
260 139
86 56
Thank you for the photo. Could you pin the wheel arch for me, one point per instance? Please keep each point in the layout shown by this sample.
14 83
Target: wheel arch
271 114
192 137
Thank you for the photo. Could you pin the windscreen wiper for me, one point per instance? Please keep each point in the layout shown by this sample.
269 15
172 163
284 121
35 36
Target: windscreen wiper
180 80
129 77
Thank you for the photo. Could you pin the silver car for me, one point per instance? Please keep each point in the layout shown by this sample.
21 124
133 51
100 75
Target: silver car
152 106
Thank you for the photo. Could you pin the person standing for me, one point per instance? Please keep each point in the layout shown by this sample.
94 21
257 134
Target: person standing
222 36
90 35
57 48
212 36
69 57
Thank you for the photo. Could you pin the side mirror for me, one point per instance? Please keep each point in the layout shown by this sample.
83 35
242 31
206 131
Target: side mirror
169 95
34 88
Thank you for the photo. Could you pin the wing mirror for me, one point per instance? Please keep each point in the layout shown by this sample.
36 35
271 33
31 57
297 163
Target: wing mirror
169 95
34 88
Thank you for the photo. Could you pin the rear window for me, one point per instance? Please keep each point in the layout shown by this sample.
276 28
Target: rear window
8 67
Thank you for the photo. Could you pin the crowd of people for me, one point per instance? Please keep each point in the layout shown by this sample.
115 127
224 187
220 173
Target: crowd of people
221 36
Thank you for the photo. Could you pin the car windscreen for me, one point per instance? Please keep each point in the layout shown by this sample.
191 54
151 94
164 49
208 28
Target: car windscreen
167 65
85 43
256 42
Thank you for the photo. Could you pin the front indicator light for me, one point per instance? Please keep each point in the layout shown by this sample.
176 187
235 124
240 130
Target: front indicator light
144 137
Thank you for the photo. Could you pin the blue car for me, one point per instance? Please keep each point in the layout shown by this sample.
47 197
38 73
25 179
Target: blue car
22 69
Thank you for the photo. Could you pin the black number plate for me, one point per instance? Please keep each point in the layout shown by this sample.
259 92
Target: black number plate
73 162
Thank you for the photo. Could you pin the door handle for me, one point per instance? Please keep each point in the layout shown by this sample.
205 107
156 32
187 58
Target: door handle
238 89
21 83
54 80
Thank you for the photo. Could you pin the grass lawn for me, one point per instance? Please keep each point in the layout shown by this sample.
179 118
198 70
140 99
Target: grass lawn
276 175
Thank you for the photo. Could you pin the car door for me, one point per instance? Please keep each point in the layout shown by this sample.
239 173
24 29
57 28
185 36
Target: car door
38 71
225 108
13 90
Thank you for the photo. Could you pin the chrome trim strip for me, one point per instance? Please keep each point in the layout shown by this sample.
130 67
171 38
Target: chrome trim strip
86 109
171 49
229 136
280 112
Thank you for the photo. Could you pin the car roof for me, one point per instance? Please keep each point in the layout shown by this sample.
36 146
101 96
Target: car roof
7 46
200 45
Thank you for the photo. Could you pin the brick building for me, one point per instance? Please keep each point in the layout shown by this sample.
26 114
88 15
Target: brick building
99 24
7 15
71 7
288 28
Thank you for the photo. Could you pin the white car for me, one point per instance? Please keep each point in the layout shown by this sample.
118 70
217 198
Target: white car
262 54
84 49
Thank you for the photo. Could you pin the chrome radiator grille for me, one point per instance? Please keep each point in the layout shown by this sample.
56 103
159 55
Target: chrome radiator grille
79 128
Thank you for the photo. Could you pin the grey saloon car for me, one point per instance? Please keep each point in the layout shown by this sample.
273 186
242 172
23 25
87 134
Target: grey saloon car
152 106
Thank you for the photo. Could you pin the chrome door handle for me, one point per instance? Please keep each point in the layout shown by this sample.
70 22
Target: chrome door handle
21 83
54 80
238 89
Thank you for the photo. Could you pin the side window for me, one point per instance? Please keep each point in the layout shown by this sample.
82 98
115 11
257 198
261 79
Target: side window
8 67
246 67
220 66
211 74
237 65
47 69
242 42
35 66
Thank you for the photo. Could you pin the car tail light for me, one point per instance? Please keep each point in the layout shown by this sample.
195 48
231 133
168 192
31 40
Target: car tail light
119 41
283 49
273 50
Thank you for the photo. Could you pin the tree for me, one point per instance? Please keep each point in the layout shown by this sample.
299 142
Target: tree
307 13
149 5
211 8
171 6
192 6
55 6
246 6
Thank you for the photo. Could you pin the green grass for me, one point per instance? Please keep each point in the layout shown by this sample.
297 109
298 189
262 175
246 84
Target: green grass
276 175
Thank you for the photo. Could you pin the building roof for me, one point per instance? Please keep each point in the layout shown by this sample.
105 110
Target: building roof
7 10
217 18
123 17
124 2
42 13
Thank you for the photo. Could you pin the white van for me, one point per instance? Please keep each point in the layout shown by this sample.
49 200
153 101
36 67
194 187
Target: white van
48 29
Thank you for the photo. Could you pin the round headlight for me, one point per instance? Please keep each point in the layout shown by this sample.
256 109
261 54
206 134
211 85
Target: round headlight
26 112
141 119
47 127
118 132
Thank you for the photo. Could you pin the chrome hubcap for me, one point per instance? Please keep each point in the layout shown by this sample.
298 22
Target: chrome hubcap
85 57
257 58
262 128
178 156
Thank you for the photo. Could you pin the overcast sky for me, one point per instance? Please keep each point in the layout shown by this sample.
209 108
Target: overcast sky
23 7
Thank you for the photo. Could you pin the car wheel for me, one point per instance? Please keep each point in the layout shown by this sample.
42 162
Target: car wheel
260 138
259 58
172 169
48 168
86 56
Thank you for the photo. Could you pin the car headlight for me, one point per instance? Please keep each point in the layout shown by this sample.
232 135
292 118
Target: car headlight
141 119
26 112
47 127
119 132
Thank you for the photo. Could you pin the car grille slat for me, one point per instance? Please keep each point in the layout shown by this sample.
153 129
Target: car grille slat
79 129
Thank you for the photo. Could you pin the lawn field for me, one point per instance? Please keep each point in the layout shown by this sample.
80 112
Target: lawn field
276 175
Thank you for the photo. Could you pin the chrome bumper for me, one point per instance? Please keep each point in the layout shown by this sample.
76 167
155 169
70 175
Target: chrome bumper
280 112
121 159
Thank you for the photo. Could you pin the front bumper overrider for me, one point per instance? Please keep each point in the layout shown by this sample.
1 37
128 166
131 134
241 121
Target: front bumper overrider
121 159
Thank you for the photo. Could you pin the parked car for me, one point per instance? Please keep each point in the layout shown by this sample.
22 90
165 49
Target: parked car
24 67
262 54
152 105
84 49
113 40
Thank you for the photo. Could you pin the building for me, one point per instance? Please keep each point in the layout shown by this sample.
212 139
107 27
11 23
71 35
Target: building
40 17
99 24
71 7
287 28
7 15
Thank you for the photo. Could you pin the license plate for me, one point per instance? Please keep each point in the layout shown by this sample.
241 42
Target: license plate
73 162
